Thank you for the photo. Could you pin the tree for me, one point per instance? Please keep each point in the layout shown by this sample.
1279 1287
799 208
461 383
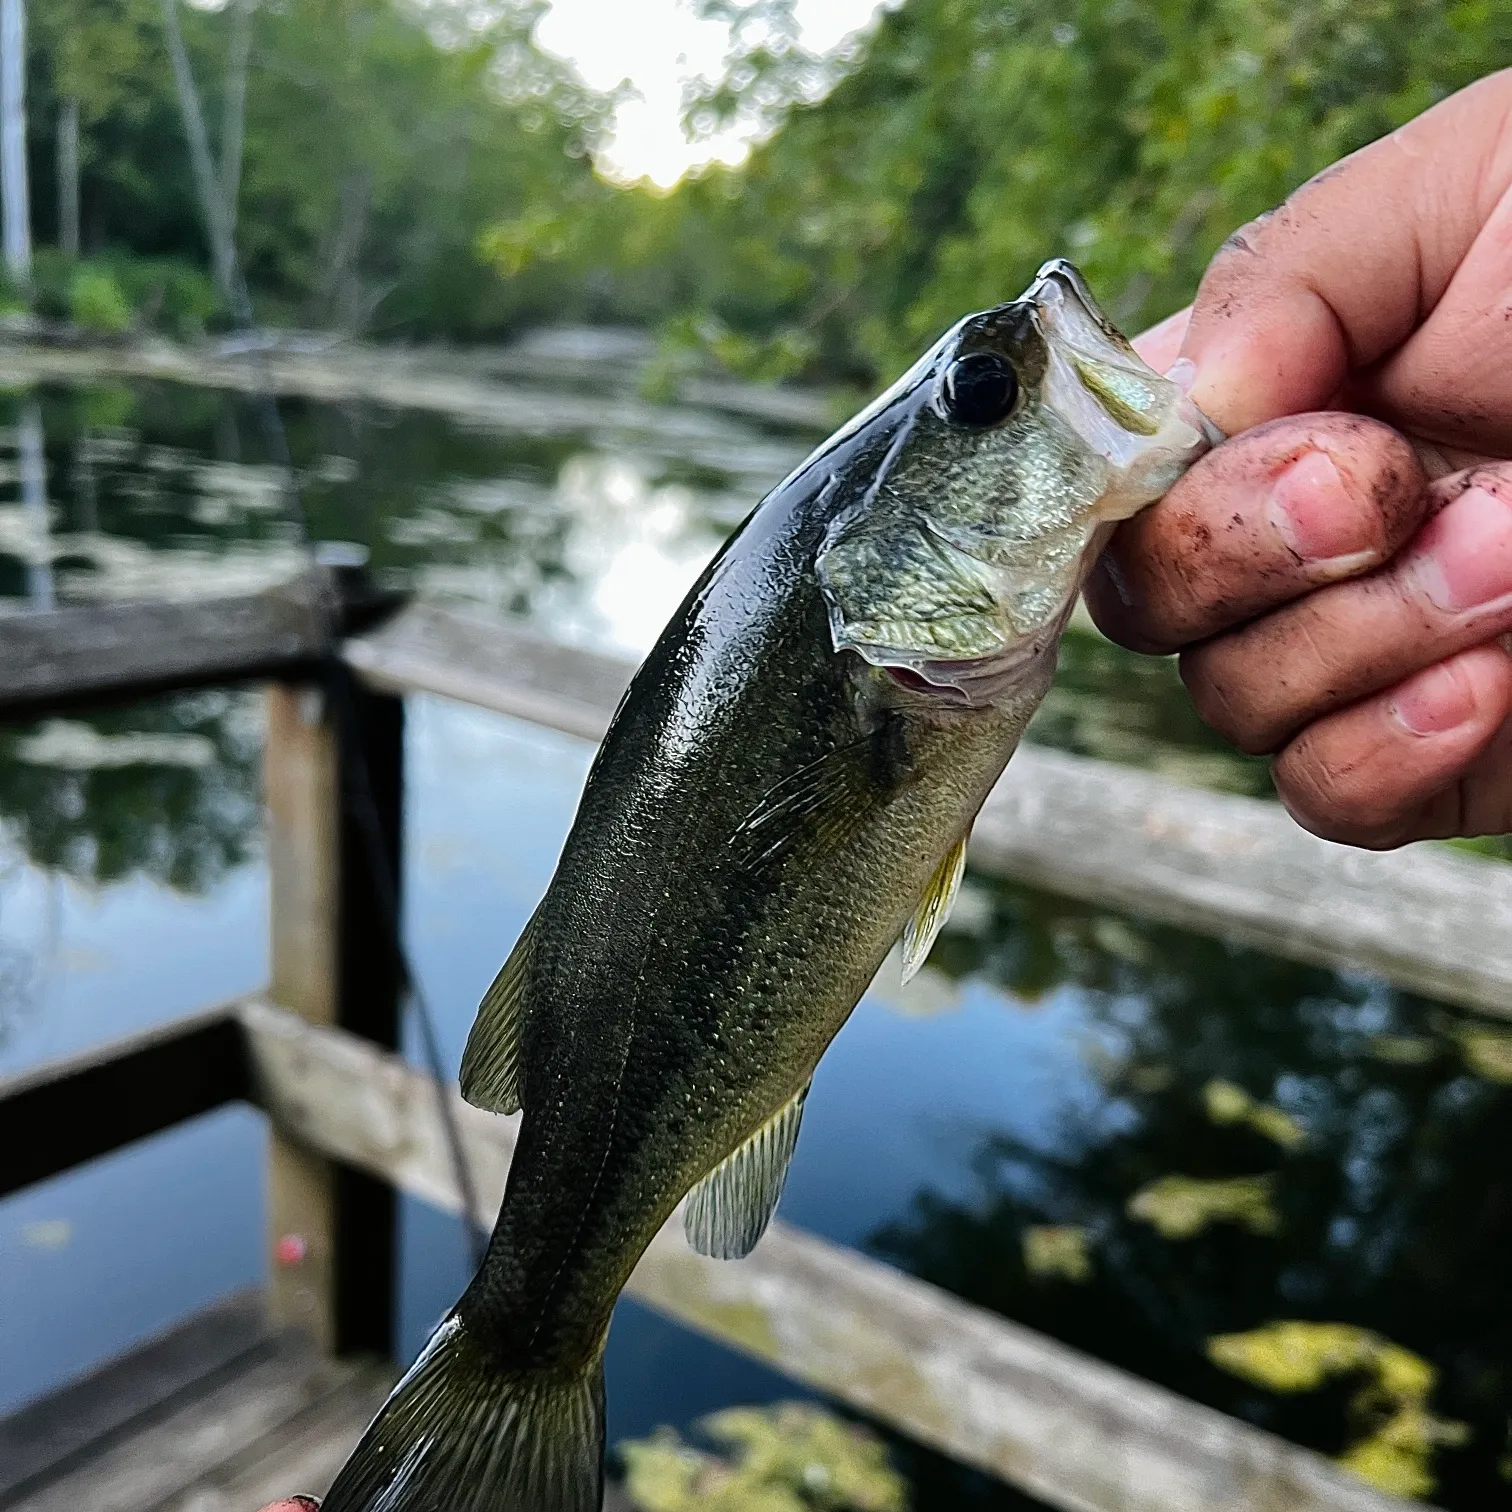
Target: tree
964 141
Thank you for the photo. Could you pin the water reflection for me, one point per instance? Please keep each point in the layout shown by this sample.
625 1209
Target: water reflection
168 789
162 491
1153 1194
1272 1142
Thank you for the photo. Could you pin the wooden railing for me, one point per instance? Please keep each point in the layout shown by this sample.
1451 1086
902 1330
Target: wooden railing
352 1123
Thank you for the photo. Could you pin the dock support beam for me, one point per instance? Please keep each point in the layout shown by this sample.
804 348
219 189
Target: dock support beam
333 1229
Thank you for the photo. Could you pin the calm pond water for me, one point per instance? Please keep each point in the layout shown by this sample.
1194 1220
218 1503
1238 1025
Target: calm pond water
1137 1140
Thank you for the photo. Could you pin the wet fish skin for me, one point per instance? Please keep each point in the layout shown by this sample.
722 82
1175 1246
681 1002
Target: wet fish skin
801 752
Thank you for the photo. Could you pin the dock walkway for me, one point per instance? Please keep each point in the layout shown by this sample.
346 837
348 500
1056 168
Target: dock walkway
220 1414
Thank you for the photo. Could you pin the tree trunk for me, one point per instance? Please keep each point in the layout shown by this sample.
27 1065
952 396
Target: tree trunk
347 306
13 186
68 178
234 119
31 458
206 184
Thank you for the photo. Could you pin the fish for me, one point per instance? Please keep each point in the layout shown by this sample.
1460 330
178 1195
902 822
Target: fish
784 793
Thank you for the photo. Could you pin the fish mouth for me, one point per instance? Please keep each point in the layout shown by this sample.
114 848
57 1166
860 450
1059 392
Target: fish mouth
1141 423
1059 284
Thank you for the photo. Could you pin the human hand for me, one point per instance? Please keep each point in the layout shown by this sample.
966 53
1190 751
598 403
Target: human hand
294 1504
1331 604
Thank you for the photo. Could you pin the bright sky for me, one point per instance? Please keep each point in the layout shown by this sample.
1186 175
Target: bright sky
657 45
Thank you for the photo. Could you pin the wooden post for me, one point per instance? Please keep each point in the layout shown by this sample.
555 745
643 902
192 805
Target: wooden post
369 1002
301 786
332 1228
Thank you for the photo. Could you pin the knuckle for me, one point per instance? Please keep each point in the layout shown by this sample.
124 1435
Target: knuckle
1109 601
1228 697
1336 795
1138 592
1233 259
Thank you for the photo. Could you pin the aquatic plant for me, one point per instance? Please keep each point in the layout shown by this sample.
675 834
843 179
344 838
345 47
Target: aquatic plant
791 1457
1180 1207
1396 1450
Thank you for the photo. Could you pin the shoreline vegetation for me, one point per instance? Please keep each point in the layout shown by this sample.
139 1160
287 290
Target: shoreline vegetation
555 378
425 174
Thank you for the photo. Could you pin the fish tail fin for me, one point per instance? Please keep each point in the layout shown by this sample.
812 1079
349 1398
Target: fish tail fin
460 1434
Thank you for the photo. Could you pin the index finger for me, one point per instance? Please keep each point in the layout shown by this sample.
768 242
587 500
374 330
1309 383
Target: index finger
1342 272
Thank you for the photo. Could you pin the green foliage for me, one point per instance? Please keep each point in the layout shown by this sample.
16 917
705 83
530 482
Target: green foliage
967 140
790 1458
114 291
96 303
425 169
381 140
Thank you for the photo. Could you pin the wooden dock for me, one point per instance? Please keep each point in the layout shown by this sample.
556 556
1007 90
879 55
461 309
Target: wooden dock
221 1414
262 1396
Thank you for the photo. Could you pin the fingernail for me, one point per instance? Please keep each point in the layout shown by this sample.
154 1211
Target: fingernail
1183 373
1313 515
1435 700
1464 555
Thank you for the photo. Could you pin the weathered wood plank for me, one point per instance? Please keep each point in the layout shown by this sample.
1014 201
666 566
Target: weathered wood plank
108 650
303 791
1425 917
104 1097
1075 1432
42 1440
369 990
165 1457
429 649
302 1453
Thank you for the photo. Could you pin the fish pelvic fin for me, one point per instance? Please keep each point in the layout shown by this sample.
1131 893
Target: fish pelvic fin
728 1211
921 931
461 1434
491 1061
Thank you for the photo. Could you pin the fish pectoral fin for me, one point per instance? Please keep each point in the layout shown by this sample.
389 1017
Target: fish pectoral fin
921 931
728 1210
821 805
491 1063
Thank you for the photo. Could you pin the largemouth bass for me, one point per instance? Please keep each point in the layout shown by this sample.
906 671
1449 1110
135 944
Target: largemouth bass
785 790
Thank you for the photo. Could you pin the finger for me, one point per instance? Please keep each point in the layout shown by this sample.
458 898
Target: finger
1160 346
1342 273
1451 590
1258 522
295 1504
1390 769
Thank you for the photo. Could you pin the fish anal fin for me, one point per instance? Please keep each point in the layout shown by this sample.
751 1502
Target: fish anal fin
491 1063
921 931
728 1211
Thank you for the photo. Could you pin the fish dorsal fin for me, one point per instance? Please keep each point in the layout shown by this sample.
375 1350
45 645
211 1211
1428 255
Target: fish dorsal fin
728 1210
929 918
491 1062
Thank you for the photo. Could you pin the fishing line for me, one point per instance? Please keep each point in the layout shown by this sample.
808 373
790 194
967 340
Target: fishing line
354 773
357 786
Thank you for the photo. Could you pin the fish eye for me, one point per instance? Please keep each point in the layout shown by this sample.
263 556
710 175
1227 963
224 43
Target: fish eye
978 389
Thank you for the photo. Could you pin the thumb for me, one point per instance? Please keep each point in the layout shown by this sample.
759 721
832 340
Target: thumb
1344 271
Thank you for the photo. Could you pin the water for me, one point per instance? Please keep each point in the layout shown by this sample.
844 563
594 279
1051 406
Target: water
1007 1126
